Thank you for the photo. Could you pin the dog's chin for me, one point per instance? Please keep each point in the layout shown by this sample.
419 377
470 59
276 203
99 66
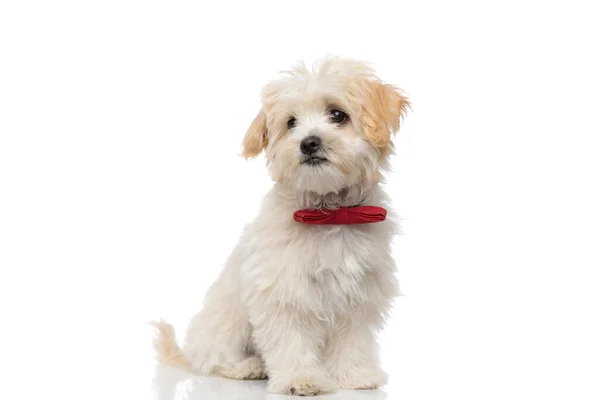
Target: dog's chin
320 177
314 161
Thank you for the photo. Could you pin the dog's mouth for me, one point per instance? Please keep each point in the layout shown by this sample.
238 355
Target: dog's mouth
314 160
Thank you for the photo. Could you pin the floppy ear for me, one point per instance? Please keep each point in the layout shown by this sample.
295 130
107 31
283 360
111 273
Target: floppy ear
256 138
382 107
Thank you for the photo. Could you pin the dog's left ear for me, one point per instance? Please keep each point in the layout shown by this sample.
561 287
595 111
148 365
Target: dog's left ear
255 140
381 110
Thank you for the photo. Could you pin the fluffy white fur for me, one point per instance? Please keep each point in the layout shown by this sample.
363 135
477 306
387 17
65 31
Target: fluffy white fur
300 303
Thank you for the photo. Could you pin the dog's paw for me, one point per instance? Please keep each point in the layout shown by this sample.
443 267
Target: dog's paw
303 389
307 386
361 380
249 368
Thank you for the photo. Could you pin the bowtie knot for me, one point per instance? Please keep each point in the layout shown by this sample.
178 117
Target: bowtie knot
341 216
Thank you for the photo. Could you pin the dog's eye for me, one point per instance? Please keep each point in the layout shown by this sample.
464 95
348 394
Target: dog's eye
338 116
291 123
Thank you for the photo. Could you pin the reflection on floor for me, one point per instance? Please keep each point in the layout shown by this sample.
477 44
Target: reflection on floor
173 384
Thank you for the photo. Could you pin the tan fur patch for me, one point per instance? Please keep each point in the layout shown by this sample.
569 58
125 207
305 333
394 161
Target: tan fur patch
167 350
256 137
382 106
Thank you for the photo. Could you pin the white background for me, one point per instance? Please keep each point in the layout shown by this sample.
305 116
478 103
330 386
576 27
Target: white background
122 190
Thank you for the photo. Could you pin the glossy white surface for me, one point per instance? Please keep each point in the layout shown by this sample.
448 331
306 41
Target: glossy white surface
171 384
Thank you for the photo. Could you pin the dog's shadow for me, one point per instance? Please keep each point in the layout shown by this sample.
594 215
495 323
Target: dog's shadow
174 384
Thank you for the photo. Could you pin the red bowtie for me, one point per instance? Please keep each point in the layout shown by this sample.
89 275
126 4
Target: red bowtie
341 216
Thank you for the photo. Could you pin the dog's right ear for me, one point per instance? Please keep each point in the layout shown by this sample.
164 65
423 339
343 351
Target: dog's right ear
255 140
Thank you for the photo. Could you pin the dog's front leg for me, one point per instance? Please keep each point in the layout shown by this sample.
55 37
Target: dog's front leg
351 354
291 343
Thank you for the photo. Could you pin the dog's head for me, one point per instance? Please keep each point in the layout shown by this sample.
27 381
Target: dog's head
326 129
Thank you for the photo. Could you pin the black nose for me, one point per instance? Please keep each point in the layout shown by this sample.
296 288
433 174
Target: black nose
310 144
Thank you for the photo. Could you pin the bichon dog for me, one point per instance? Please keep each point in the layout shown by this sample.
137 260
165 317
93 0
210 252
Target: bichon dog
310 283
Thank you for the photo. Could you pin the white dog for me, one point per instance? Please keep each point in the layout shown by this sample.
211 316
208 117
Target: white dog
312 278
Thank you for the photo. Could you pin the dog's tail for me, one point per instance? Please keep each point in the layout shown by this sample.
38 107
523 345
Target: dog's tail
167 350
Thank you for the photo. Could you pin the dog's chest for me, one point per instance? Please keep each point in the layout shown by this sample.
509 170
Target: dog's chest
343 249
340 265
329 268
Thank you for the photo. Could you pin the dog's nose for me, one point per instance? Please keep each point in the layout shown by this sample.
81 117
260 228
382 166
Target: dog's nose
310 144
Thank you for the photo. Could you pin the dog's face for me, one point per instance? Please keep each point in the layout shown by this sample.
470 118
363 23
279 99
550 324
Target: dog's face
327 129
